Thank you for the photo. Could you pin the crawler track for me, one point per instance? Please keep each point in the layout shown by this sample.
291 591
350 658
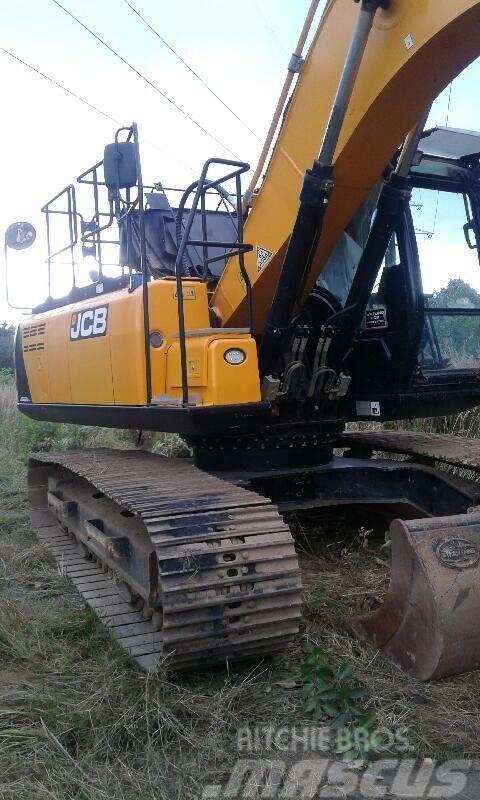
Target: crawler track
178 564
425 448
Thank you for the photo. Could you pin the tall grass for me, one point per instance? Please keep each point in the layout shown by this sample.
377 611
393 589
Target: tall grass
79 722
20 435
466 423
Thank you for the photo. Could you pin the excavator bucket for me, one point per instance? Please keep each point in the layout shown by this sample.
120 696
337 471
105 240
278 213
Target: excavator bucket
429 624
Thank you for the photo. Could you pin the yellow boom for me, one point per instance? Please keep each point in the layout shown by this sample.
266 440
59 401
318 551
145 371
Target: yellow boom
415 49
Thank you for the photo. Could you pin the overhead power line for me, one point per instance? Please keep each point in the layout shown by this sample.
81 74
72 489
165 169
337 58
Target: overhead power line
449 104
81 99
190 68
59 85
269 27
145 79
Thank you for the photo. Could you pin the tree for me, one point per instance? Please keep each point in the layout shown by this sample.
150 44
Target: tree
458 336
457 294
7 336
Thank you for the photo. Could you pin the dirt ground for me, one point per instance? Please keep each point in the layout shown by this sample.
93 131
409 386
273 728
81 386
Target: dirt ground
77 720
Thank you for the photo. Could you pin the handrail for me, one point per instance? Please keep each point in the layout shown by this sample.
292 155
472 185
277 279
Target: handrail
72 214
201 187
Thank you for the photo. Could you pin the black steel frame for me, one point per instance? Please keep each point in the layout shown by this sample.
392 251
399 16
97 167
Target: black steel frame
201 187
91 232
73 215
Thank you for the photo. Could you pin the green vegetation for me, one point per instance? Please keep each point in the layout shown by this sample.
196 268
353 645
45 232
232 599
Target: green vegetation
457 336
79 722
330 697
7 333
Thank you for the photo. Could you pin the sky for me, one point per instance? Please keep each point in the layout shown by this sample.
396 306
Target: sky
47 138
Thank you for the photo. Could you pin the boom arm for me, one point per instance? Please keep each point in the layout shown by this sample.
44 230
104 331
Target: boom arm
415 50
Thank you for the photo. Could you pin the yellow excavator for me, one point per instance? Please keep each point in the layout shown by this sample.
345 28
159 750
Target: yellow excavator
256 325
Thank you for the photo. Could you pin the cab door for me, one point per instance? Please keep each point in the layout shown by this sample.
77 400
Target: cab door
383 356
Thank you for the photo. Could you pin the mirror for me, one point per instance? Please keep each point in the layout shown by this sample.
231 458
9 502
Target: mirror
20 235
120 165
469 230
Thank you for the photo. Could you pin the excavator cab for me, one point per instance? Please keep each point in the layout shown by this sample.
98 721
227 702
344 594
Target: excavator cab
419 337
445 213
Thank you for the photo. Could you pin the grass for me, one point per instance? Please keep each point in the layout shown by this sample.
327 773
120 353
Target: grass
79 722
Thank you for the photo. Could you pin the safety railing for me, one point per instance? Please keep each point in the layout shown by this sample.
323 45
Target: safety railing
114 205
91 230
236 248
51 209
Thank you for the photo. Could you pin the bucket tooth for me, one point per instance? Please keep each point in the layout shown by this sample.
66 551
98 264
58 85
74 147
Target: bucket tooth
429 624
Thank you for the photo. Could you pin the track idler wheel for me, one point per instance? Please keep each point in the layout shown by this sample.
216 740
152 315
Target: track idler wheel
429 624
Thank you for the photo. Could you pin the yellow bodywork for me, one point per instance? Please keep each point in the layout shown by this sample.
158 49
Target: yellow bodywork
415 49
109 369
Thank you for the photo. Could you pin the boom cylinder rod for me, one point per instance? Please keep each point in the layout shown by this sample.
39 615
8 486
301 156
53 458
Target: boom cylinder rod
358 43
316 190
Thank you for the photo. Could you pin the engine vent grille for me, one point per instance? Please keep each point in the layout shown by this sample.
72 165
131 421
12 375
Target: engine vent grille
34 346
34 330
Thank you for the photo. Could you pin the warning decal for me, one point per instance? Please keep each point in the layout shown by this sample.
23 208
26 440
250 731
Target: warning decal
376 318
263 257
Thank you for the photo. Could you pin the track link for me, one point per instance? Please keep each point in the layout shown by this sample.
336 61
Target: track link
212 565
425 448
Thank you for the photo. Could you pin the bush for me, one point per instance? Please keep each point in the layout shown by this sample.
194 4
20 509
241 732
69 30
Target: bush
20 435
7 337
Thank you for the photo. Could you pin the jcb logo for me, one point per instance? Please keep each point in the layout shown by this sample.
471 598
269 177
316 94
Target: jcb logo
88 324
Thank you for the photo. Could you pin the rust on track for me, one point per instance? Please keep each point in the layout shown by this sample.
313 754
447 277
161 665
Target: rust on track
178 564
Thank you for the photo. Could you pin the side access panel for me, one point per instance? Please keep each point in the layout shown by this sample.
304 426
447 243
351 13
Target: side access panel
93 352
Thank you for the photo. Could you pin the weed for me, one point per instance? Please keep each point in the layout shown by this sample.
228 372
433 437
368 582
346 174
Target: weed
330 695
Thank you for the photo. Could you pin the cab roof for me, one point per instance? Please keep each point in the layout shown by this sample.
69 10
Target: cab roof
451 143
445 154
